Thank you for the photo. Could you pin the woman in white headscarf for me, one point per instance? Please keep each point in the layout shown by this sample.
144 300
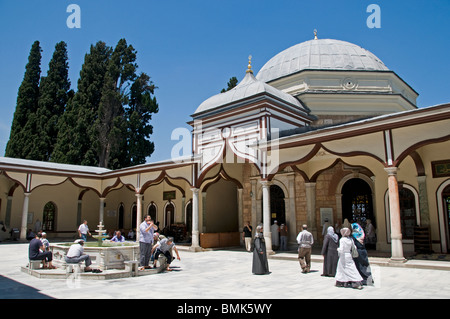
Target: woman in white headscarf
329 253
346 273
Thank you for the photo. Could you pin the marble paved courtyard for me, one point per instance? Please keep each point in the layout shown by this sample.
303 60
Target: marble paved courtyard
220 274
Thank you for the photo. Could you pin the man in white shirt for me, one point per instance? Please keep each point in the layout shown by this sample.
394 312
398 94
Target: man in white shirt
83 231
305 241
76 255
275 229
147 229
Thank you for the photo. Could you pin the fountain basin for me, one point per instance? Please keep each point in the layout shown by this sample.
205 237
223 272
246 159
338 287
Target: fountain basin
110 255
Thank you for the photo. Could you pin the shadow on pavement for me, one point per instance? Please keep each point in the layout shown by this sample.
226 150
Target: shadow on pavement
11 289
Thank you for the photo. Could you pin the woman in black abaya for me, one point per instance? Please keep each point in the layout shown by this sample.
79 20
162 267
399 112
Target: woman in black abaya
260 262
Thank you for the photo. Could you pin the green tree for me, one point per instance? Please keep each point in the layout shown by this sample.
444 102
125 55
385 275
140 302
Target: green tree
111 124
139 114
77 133
231 84
53 97
27 103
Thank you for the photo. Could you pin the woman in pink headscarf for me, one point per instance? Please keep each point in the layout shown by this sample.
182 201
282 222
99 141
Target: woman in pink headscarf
346 273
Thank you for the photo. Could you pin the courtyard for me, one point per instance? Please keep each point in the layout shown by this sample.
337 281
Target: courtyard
226 274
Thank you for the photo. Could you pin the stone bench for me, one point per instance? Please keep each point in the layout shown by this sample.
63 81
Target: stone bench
34 264
132 266
72 267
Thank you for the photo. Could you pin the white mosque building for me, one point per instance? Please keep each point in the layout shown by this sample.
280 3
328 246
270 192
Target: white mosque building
323 131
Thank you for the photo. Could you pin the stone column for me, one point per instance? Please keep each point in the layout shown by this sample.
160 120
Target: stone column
79 206
291 218
266 216
195 246
8 212
23 228
203 212
138 215
394 209
423 201
183 210
240 213
254 191
310 190
102 209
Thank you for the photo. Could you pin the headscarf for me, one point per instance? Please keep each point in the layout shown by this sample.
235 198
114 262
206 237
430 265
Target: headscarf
345 232
358 233
332 234
258 232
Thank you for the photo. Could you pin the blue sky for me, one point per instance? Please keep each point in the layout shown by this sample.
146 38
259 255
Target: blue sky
191 48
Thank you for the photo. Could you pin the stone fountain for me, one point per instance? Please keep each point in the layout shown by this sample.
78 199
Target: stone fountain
104 255
100 235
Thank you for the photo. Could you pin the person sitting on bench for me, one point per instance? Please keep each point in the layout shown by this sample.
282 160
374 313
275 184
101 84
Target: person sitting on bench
76 255
37 251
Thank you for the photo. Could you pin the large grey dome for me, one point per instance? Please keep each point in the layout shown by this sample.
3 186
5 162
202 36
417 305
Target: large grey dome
320 54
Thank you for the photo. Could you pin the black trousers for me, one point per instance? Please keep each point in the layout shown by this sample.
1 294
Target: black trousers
167 254
46 255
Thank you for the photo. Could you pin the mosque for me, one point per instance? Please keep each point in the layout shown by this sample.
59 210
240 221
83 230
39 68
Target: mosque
324 131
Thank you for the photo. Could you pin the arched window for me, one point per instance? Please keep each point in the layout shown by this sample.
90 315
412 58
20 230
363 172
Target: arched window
189 217
134 216
49 217
121 216
169 215
446 201
407 212
152 209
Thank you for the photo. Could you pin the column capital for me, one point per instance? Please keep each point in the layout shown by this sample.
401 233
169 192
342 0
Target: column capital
422 178
265 183
391 170
139 195
195 190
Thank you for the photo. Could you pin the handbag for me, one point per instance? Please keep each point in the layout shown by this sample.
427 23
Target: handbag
354 251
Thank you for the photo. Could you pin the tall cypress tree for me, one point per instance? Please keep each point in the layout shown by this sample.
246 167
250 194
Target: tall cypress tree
53 97
111 123
77 133
139 113
27 103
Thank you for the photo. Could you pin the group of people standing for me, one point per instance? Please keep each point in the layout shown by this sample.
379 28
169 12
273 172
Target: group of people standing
345 255
152 244
346 258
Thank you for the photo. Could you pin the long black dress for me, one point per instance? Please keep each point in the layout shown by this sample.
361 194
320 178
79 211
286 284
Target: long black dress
260 262
330 253
362 263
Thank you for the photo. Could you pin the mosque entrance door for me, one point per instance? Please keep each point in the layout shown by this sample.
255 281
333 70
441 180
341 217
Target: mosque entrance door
277 205
357 202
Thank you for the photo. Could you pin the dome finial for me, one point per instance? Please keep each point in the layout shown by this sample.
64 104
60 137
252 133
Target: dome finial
249 67
315 34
